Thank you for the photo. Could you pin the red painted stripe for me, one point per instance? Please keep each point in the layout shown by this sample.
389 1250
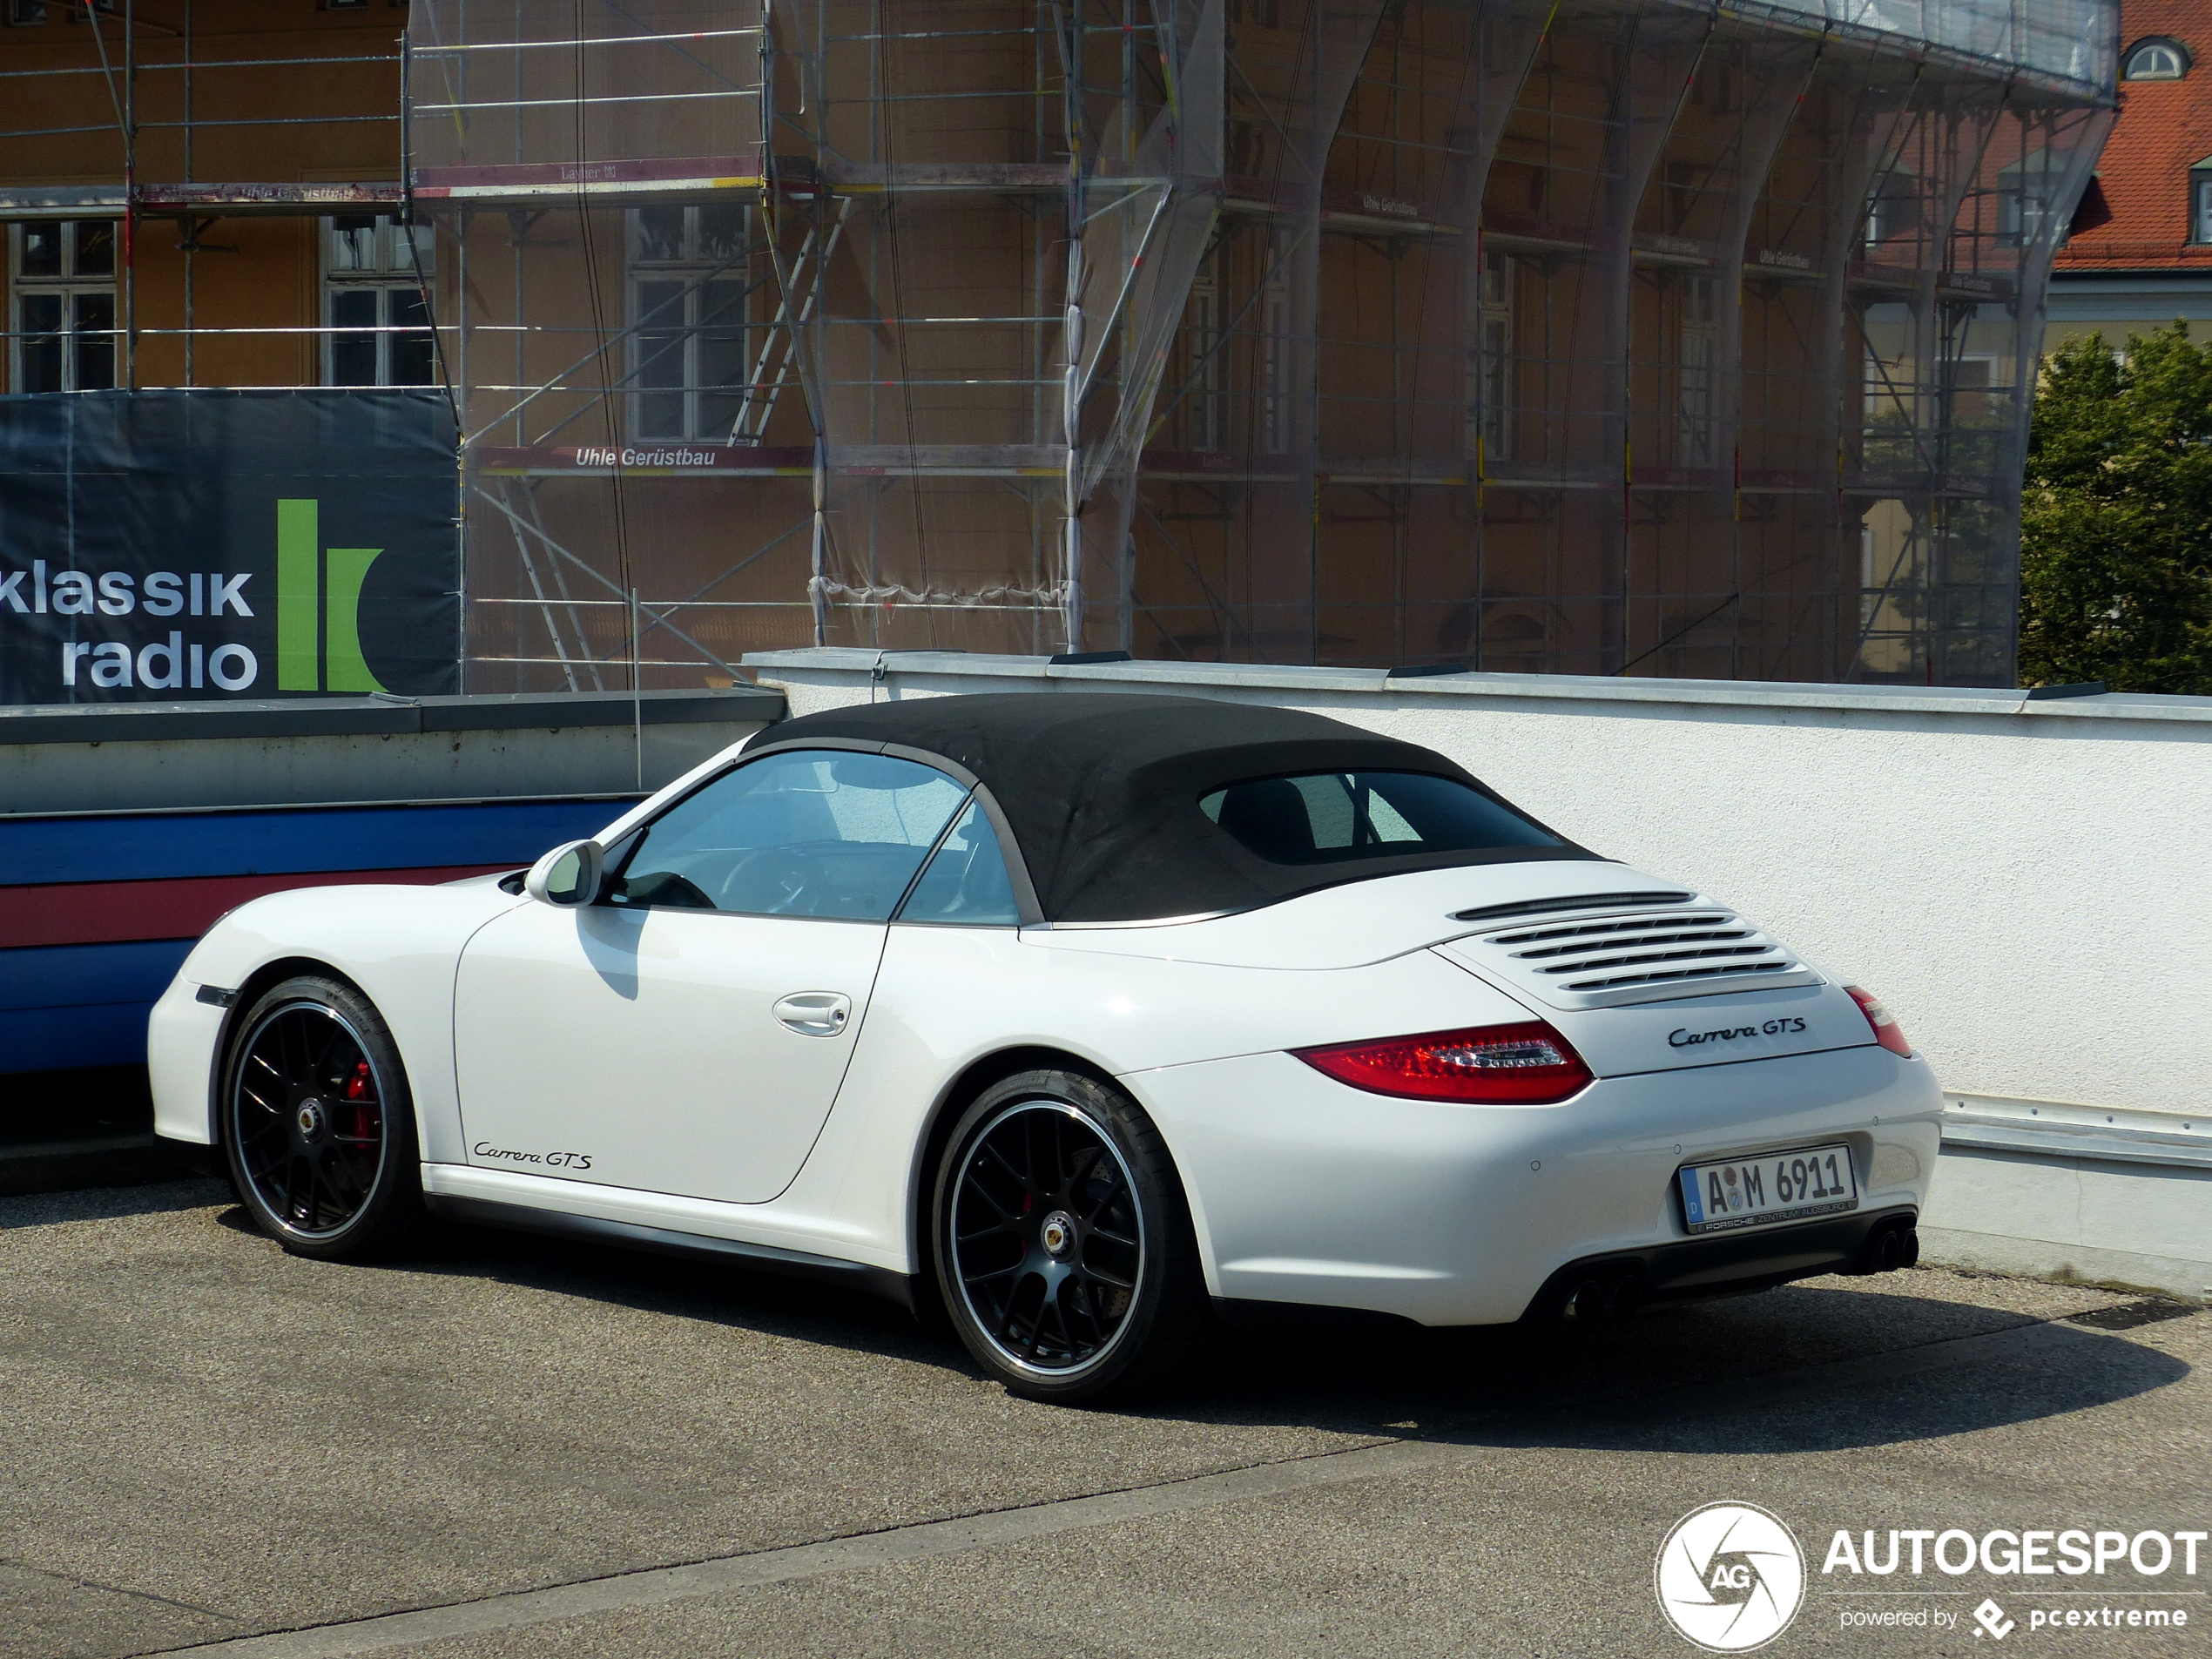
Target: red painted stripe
107 913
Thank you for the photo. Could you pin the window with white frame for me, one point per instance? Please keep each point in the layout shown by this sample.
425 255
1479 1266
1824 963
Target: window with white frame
1893 209
690 306
2200 202
2160 58
1490 367
1699 325
373 303
1202 392
1971 381
2027 193
1275 349
63 273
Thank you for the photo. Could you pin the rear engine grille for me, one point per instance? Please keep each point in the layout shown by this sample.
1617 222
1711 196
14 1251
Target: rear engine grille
1604 959
1645 950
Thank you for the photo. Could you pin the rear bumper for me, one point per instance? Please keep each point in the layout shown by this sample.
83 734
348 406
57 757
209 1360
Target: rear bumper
1305 1191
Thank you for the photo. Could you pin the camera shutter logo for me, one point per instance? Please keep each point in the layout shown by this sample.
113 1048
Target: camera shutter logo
1730 1577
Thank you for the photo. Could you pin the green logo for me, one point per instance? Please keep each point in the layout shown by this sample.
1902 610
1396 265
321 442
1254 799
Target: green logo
319 603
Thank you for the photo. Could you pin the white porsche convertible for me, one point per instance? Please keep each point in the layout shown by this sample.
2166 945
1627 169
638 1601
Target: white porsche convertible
1096 1018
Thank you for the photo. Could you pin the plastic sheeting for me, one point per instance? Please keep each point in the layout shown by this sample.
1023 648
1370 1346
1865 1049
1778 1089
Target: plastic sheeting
1580 337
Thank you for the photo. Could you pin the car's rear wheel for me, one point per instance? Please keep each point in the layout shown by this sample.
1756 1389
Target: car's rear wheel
1064 1250
318 1126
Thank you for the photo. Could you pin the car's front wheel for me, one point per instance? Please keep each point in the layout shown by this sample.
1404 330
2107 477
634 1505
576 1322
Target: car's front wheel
317 1122
1064 1250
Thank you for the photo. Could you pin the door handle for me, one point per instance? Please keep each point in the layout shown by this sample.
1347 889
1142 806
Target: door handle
814 1013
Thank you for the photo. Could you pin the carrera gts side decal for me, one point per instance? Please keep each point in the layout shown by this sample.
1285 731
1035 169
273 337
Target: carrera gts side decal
492 1154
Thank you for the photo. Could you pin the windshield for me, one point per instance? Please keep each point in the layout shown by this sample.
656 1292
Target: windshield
1337 817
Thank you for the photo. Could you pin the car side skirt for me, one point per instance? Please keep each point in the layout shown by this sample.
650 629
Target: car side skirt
822 1269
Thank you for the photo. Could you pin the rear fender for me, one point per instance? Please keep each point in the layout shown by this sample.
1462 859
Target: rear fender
947 999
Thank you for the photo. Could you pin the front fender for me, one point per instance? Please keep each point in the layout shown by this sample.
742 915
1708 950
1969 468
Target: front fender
399 945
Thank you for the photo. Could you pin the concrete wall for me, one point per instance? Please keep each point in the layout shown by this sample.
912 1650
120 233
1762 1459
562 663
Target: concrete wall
126 829
144 757
2026 881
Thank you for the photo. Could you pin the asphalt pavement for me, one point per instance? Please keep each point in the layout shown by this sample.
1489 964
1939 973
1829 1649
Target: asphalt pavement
511 1447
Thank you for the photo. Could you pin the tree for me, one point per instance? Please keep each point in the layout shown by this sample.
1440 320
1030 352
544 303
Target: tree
2116 517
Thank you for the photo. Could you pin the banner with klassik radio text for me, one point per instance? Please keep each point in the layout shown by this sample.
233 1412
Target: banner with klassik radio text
190 545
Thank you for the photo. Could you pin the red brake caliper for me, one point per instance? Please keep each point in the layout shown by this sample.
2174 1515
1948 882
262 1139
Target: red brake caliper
357 1090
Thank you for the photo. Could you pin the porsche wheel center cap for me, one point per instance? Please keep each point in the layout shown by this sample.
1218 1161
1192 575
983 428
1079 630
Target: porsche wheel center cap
1058 1233
309 1117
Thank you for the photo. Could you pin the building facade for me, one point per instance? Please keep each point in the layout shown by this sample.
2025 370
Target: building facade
1595 337
204 194
2140 254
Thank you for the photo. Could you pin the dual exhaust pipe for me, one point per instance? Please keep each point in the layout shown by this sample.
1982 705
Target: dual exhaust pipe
1889 1249
1610 1294
1602 1303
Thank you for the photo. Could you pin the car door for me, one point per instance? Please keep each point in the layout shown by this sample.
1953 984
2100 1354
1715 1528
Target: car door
687 1032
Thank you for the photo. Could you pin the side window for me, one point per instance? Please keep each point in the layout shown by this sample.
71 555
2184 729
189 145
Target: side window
966 883
825 832
1320 817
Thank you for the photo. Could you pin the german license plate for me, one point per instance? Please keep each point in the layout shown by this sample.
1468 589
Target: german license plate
1775 1186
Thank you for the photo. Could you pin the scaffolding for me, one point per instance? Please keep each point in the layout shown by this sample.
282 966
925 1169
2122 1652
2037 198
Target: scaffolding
1557 336
190 128
1577 337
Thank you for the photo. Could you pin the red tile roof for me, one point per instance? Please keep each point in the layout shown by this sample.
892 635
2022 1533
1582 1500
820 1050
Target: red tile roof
2135 215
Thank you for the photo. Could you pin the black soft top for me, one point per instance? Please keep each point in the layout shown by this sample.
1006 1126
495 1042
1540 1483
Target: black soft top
1101 791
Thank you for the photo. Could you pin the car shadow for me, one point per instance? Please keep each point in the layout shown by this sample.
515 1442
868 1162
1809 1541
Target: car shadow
104 1204
1809 1367
1824 1365
709 1291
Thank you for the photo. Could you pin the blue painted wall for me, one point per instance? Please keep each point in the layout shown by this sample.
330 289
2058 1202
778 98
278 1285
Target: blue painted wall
68 1005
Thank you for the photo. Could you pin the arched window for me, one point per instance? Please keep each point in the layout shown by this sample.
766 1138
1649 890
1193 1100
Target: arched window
2158 58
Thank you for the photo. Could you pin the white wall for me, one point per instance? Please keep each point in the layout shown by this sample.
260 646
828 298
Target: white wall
2027 883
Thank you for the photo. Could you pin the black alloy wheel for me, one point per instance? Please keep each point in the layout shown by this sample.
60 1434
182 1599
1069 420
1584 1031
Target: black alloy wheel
1064 1252
317 1123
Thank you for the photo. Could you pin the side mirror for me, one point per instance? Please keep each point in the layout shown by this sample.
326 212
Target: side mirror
567 875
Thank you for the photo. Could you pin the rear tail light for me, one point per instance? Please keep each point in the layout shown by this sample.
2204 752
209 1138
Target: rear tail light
1887 1031
1526 1063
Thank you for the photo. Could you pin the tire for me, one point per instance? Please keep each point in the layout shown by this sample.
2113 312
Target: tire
1064 1252
318 1124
